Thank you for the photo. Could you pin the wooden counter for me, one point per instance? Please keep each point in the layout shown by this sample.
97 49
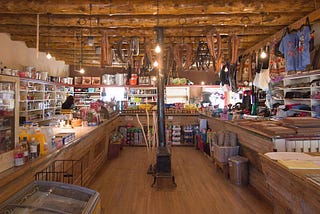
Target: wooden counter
90 147
291 190
253 142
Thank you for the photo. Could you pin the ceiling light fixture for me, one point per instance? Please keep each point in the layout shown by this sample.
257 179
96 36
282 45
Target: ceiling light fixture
263 53
48 56
82 71
48 37
157 49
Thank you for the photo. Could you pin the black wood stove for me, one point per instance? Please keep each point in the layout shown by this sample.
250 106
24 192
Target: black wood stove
163 158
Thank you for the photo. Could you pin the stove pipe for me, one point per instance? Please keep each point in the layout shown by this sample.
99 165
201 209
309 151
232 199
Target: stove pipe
160 91
163 164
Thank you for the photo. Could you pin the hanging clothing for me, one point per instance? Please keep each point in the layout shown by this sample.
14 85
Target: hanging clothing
304 35
262 79
289 47
224 74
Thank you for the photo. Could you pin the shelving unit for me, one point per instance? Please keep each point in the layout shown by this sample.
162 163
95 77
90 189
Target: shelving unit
177 94
142 94
85 94
40 100
303 90
61 94
9 114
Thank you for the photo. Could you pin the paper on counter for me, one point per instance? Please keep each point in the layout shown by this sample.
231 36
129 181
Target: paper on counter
299 164
289 156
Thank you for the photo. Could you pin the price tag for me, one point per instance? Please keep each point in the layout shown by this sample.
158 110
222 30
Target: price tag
170 117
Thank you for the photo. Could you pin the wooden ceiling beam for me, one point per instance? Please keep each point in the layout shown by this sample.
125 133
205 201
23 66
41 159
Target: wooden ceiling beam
313 17
150 21
114 40
141 32
127 7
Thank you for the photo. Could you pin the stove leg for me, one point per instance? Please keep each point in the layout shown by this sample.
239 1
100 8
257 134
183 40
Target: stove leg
154 181
150 170
173 181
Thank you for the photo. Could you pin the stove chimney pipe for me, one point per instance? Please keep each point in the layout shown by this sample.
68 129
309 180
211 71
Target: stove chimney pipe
160 90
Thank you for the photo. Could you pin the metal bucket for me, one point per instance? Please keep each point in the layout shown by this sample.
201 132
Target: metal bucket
44 75
121 79
108 79
69 80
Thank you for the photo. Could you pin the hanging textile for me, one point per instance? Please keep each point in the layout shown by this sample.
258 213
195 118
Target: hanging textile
304 35
214 44
180 55
224 74
148 48
262 79
276 64
289 47
233 46
106 54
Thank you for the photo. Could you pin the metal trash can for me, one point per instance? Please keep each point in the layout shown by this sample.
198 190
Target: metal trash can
238 170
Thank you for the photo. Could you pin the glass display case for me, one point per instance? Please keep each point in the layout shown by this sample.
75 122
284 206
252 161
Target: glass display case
9 119
48 197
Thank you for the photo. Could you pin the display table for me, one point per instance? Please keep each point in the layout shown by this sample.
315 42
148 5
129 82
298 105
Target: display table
291 190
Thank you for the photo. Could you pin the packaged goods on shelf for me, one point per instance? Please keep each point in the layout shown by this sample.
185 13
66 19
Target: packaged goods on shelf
95 81
86 80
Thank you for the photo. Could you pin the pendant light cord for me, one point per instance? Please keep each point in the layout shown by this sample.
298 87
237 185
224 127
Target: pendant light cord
48 37
90 30
157 13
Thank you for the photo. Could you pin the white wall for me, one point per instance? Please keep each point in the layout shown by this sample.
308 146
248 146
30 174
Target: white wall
16 55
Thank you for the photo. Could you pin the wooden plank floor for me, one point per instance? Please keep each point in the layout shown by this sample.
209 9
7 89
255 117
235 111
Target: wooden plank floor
125 186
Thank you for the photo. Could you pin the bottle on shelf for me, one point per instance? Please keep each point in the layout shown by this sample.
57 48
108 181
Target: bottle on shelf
24 134
41 138
18 155
34 148
25 148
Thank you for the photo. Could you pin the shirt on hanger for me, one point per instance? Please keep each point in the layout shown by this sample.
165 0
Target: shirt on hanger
304 36
289 47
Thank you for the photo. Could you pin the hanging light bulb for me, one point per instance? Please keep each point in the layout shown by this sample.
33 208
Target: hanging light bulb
82 71
90 41
155 64
263 54
158 49
49 56
90 37
48 42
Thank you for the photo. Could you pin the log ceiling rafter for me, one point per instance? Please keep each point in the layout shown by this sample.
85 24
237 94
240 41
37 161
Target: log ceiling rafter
183 20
